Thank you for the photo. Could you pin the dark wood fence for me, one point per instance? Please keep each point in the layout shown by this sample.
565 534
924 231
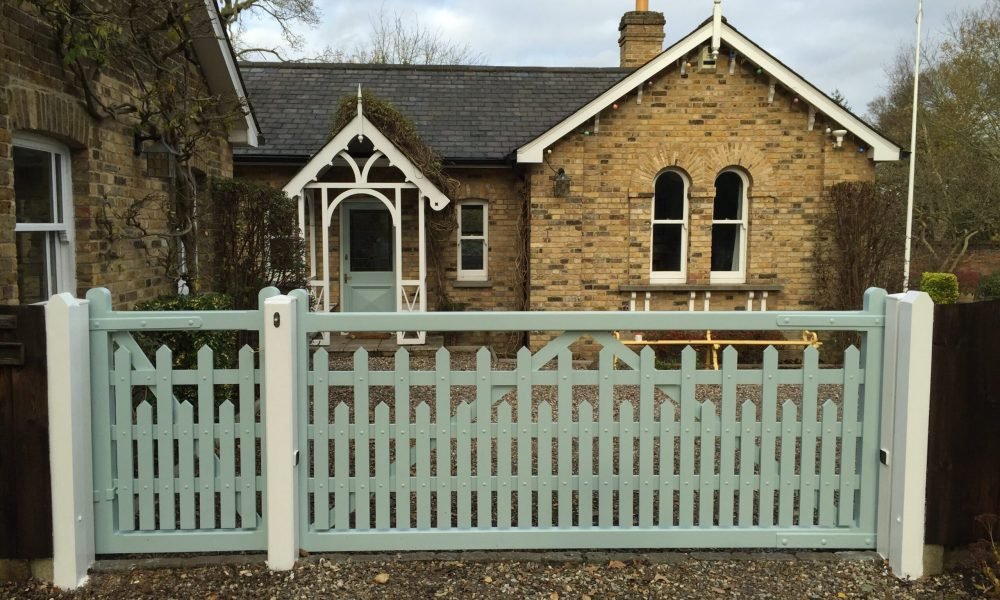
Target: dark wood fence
25 497
963 478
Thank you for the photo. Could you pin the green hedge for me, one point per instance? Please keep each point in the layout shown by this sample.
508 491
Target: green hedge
989 287
941 287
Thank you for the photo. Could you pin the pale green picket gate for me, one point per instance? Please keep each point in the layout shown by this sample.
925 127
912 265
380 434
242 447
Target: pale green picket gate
536 452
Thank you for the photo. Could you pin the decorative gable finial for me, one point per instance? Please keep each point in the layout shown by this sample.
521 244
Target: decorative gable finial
716 28
361 135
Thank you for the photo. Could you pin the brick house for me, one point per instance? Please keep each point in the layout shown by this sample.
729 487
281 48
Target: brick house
62 171
690 177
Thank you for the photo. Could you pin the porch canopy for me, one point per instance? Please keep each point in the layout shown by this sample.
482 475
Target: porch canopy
361 168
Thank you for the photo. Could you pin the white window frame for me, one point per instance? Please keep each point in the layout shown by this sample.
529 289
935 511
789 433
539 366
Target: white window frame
63 231
738 275
474 274
668 277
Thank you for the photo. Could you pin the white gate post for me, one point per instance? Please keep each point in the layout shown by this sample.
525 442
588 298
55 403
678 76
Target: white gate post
67 338
278 347
905 423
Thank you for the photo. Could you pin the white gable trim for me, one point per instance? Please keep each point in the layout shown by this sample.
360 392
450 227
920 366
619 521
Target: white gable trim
223 76
882 148
361 127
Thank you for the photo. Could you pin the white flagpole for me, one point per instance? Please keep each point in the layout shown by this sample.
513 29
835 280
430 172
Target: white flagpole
913 152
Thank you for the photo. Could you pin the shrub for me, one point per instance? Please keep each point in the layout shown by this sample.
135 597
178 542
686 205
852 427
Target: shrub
186 344
255 241
941 287
860 244
989 287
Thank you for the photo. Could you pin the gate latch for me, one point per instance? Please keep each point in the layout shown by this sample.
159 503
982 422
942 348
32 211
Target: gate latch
883 456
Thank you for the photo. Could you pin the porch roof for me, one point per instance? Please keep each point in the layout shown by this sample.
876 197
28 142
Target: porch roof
466 113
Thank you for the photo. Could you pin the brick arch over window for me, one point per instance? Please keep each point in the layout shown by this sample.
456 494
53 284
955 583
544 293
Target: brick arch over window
743 157
54 115
692 162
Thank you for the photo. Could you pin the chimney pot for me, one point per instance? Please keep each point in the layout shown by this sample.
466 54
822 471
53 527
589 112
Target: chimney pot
641 5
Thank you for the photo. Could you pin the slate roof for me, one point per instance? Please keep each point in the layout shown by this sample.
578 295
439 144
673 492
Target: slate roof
466 113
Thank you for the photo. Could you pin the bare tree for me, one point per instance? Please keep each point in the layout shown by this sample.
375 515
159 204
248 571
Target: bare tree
402 40
958 161
286 14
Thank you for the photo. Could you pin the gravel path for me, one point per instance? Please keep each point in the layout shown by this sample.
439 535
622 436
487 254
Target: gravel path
595 575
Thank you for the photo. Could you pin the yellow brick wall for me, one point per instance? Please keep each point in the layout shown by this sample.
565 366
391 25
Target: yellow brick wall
587 245
37 95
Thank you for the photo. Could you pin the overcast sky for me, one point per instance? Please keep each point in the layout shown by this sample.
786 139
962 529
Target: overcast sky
842 44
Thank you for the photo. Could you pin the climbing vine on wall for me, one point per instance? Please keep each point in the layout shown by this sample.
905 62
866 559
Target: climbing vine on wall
149 46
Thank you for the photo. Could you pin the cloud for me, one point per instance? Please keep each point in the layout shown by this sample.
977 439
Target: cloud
842 44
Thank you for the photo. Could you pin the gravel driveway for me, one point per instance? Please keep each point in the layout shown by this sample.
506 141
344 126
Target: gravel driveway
577 576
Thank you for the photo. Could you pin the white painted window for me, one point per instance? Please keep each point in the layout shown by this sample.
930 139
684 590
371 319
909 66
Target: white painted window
473 241
729 228
668 258
43 207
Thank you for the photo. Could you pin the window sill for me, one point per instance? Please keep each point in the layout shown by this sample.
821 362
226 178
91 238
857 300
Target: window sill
472 284
704 287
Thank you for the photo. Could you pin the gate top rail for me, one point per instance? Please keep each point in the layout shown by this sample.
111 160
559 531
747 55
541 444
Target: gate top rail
870 319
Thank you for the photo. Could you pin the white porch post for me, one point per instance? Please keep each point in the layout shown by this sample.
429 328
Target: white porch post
280 446
422 250
398 250
327 217
67 335
905 422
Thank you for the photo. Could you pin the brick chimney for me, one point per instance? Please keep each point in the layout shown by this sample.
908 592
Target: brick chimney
641 35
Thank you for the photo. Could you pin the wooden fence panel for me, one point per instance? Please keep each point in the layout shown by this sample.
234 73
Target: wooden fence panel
25 496
963 476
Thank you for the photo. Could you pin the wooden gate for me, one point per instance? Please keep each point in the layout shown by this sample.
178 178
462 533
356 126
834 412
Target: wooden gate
25 497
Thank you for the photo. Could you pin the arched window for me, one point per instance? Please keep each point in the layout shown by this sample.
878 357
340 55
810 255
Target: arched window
729 228
670 231
43 227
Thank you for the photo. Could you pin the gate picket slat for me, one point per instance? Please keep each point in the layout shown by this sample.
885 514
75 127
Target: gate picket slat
706 469
321 444
463 452
786 495
524 450
442 437
606 432
484 440
748 458
206 439
728 430
807 469
504 450
362 455
626 468
544 465
565 439
668 431
123 439
227 466
147 507
423 446
849 438
185 449
403 452
647 367
165 437
341 467
828 457
248 441
768 437
586 467
688 408
380 433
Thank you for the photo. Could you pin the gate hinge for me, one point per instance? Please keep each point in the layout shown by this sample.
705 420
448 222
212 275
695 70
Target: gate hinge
105 496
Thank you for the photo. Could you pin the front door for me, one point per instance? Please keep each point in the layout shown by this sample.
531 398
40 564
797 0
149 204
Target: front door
368 257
